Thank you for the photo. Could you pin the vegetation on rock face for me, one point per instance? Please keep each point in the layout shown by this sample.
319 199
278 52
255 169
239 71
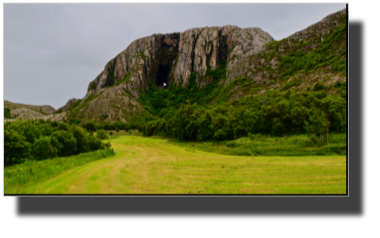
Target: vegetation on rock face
7 113
92 85
78 106
302 58
125 78
331 52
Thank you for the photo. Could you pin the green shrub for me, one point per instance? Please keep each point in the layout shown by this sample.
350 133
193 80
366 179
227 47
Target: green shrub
74 121
89 126
16 148
231 144
94 143
45 129
220 135
101 134
45 148
318 87
318 124
239 132
92 85
62 127
67 141
81 137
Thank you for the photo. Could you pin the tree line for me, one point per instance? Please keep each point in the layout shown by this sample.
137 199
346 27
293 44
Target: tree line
39 140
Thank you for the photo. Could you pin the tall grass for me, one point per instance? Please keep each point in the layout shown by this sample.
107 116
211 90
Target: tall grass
295 145
32 171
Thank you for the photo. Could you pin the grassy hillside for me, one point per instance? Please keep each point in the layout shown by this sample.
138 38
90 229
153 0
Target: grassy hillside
295 63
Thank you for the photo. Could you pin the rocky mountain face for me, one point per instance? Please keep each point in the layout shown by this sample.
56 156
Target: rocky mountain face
70 104
313 36
171 58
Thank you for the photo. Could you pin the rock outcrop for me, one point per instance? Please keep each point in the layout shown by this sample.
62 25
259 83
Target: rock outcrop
171 58
68 105
148 58
24 113
43 109
27 114
114 104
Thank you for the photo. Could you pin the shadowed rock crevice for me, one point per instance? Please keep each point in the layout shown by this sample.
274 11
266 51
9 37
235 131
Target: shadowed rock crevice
223 48
169 51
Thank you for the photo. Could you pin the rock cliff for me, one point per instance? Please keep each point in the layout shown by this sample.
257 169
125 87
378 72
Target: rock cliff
249 53
171 58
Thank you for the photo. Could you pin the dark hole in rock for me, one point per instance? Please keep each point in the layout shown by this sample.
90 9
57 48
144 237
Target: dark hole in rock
163 74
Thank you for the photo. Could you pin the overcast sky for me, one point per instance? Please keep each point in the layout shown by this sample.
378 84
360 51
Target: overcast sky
52 51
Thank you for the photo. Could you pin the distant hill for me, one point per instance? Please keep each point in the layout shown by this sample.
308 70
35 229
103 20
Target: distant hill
15 111
45 109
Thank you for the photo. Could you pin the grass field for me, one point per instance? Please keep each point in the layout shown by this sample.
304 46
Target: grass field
292 145
19 176
154 166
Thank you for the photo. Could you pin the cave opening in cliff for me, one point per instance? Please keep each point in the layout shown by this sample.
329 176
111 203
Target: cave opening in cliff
163 74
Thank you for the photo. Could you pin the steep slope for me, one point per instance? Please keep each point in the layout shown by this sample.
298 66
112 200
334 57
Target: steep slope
171 58
314 55
69 105
225 63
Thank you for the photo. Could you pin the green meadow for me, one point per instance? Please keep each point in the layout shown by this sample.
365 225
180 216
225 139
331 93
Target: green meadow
142 165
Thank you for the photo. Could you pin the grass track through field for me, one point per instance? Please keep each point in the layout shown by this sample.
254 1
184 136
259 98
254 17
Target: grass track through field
154 166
